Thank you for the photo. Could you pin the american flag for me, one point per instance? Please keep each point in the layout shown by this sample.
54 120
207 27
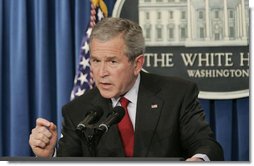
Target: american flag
83 80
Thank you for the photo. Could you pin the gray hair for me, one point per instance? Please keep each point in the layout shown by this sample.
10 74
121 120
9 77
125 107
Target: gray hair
111 27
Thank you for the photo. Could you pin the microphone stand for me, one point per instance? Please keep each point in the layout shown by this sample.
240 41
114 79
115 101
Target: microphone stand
92 136
93 133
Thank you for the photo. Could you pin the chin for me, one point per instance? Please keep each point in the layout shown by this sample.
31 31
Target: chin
107 95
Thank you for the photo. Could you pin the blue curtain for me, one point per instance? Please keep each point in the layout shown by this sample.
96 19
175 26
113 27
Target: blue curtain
39 49
39 46
229 119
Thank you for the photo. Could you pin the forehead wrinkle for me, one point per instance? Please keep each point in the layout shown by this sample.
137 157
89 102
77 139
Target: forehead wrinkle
107 54
106 57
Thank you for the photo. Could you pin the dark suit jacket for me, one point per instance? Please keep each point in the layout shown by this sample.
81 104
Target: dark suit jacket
176 128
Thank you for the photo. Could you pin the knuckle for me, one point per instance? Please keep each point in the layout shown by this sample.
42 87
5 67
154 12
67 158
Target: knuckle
40 136
40 143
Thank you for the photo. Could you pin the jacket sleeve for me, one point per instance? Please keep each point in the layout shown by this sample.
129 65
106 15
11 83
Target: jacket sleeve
196 134
70 143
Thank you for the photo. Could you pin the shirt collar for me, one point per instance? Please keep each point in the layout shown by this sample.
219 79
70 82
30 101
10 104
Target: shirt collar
131 95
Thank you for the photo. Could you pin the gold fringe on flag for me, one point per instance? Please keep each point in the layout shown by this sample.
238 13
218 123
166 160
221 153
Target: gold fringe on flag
101 4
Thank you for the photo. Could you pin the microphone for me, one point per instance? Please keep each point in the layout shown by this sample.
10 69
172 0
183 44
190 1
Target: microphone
90 118
113 118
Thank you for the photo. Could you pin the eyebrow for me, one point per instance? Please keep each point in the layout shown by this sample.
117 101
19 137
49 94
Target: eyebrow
111 58
107 58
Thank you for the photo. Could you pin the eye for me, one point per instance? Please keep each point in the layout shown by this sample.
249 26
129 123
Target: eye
113 62
95 60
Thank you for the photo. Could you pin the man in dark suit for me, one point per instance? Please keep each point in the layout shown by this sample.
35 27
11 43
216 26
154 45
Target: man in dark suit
166 117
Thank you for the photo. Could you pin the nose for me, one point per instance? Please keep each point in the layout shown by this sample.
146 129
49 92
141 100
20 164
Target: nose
103 71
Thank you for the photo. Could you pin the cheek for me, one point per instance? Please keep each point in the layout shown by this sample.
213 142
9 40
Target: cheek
93 71
94 75
125 79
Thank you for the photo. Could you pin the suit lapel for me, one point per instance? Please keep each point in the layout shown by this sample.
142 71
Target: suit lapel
147 116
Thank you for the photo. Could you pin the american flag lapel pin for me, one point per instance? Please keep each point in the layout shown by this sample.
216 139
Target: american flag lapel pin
153 106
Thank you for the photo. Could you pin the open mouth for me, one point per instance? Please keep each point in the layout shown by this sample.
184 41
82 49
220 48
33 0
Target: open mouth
105 85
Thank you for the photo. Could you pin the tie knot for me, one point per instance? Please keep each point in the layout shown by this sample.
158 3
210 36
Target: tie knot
124 102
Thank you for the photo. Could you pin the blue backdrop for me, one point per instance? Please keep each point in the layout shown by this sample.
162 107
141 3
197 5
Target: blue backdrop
39 49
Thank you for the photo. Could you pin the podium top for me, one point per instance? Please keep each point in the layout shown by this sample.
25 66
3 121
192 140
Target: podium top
95 159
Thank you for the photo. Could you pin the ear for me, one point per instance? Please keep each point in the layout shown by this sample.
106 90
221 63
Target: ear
139 62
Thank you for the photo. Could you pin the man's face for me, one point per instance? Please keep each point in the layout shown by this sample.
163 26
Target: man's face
112 71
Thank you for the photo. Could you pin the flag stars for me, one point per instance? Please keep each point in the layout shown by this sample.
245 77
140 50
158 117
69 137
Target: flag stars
84 62
100 14
75 80
81 82
86 47
89 31
80 92
82 78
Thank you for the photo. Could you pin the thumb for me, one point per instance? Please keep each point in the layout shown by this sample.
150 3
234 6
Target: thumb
42 122
52 127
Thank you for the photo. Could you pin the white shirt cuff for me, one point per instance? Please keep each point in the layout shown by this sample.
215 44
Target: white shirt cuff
202 156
